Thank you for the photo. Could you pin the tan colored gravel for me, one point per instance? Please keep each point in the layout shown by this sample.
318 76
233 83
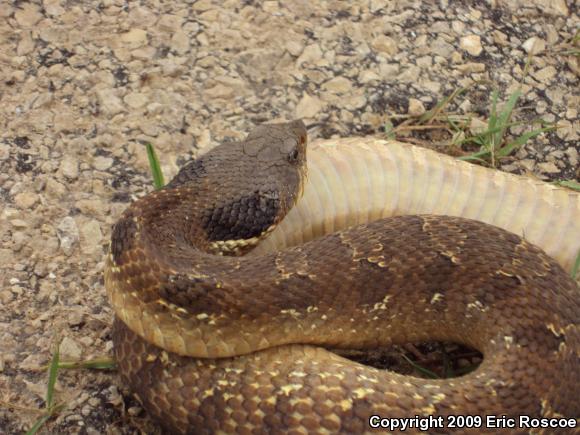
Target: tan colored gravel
84 84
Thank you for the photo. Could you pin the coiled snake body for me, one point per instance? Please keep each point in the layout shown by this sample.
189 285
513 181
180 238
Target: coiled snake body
256 325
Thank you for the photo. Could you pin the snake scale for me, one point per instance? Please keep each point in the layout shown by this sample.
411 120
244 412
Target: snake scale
214 342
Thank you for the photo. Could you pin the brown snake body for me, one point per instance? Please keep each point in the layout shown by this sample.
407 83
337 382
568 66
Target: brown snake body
255 324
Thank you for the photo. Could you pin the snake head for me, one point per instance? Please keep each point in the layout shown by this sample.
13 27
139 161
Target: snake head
278 152
239 191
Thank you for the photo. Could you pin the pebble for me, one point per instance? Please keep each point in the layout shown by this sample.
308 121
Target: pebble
545 74
26 200
69 349
110 103
180 42
338 85
534 45
91 237
69 167
384 44
295 48
102 163
68 234
548 167
136 37
416 107
27 15
170 23
312 54
471 44
308 107
471 67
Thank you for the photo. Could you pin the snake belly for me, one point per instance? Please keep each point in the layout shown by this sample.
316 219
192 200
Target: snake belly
213 343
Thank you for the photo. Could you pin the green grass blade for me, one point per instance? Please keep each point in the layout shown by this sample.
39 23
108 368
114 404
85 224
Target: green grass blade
389 130
492 121
158 181
420 369
38 425
574 271
476 156
507 150
52 375
505 115
430 114
93 364
570 184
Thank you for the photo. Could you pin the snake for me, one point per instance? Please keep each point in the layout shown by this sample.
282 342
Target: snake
231 284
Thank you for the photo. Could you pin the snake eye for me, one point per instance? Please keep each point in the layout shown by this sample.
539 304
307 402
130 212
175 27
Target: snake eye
293 156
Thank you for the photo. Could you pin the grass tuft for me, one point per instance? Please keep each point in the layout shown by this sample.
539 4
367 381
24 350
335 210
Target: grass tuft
51 408
492 141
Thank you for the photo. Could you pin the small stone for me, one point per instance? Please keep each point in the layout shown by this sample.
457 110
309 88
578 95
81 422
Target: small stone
545 74
294 48
567 130
53 7
220 91
68 234
338 85
442 48
500 38
528 164
548 167
34 361
26 44
19 224
553 7
75 317
110 103
26 200
355 102
69 167
384 44
91 237
145 53
368 76
477 126
471 67
27 15
410 74
102 163
170 23
425 61
573 156
6 255
471 44
534 45
416 107
69 349
311 55
94 206
308 107
180 42
202 5
134 36
136 100
4 151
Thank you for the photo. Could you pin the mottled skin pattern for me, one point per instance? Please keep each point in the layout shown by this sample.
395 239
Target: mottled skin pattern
252 323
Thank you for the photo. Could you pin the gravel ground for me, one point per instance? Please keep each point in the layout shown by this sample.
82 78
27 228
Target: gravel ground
84 84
